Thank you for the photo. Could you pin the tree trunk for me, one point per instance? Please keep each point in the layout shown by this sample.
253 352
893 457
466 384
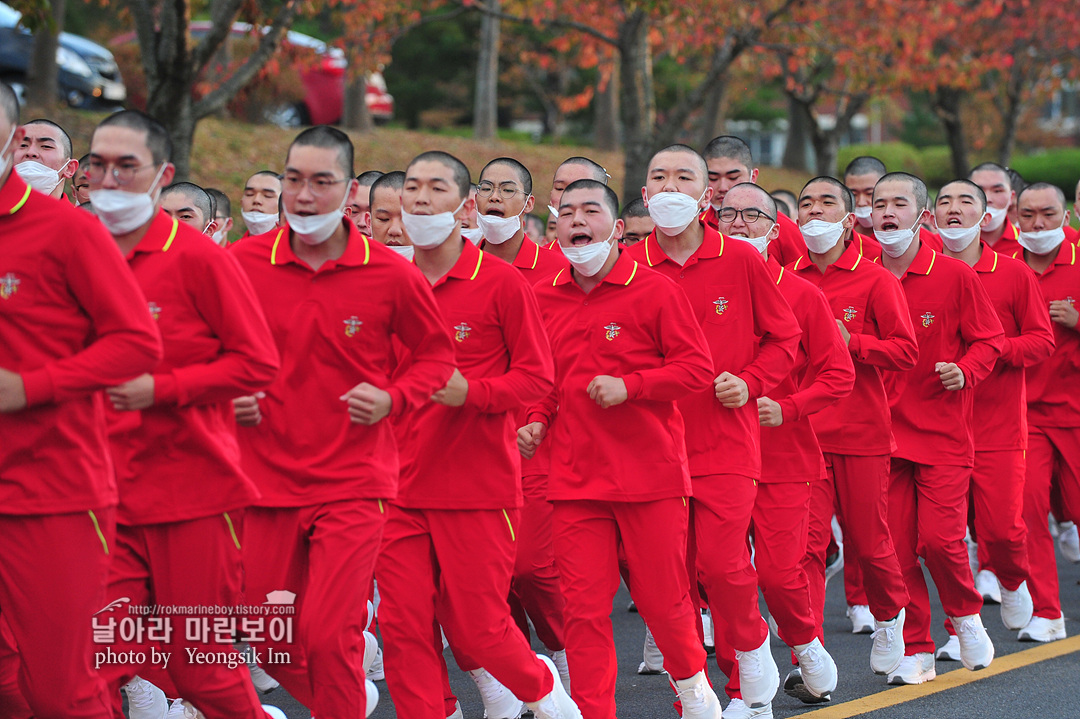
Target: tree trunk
946 105
171 103
637 99
41 89
713 122
356 114
1010 114
800 131
607 113
485 107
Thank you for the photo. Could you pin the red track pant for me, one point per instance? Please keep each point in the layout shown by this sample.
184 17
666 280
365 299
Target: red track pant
190 563
535 586
53 572
1053 462
861 500
928 518
325 554
653 535
781 516
451 567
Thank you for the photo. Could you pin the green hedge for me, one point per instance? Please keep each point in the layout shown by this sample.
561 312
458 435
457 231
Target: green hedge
1059 167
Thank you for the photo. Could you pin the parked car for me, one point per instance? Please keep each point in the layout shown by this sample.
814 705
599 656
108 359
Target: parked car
87 78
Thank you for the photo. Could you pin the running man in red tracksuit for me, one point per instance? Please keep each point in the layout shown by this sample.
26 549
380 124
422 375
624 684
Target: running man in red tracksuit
1000 413
960 338
72 322
448 550
182 492
791 459
1053 456
855 433
753 337
503 197
316 443
626 347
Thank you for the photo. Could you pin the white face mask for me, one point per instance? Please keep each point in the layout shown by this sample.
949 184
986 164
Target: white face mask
672 212
821 236
1043 242
314 230
122 211
472 234
219 237
498 230
428 231
957 239
862 214
896 242
997 218
3 159
41 178
759 243
259 222
553 211
405 251
589 259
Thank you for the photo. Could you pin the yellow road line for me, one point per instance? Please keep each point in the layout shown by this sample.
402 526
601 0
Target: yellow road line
944 682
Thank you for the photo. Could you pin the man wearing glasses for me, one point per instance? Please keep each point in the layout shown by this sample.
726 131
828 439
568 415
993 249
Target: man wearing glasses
182 490
737 302
316 443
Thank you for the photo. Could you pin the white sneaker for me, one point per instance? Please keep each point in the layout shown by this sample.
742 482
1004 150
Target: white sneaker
950 650
559 660
759 678
262 681
737 709
818 668
986 584
916 669
862 621
1069 542
972 552
888 649
654 658
372 695
180 710
1040 629
698 698
794 687
557 704
1016 607
976 649
145 700
373 664
276 713
499 702
457 712
707 630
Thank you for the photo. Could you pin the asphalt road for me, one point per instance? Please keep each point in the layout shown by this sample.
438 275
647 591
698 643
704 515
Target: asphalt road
1043 690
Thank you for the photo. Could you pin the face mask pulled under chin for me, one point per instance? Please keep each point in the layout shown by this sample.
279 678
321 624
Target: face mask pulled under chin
405 251
472 234
121 211
997 218
258 223
862 214
958 239
498 230
429 231
589 259
672 212
760 243
314 230
1042 242
894 243
42 178
821 236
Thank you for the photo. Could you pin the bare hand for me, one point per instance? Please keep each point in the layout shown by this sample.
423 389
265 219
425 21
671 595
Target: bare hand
529 438
133 394
1064 313
607 391
455 391
843 332
367 403
12 391
731 391
769 413
247 410
952 377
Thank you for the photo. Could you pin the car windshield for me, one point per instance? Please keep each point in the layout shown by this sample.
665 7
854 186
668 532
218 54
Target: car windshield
9 17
